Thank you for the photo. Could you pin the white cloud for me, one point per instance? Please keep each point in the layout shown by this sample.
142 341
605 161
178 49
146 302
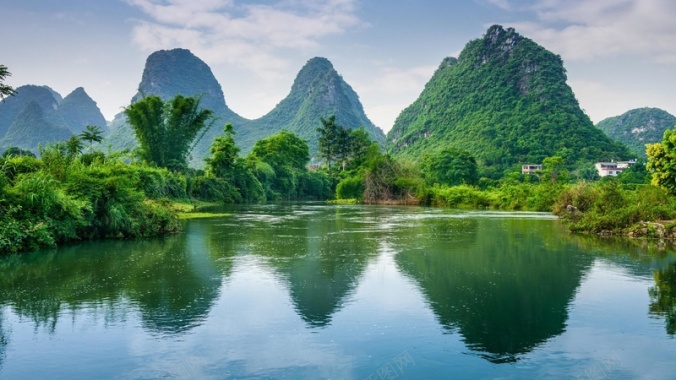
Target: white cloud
586 30
602 100
250 35
391 90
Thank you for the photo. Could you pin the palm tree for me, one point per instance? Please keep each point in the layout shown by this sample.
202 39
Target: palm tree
74 146
5 90
92 134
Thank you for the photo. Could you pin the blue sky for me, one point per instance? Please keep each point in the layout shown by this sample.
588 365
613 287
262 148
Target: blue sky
619 54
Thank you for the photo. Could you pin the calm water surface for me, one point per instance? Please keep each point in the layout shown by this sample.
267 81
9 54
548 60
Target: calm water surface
343 292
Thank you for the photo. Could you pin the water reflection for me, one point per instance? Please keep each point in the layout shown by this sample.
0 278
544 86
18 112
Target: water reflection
320 255
336 292
506 290
167 280
4 340
663 297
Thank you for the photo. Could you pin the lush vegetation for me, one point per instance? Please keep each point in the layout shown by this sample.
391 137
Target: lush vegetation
166 131
65 196
662 161
638 127
74 191
504 100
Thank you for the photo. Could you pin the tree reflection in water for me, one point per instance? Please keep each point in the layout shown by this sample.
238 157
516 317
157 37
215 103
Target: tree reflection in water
504 285
663 297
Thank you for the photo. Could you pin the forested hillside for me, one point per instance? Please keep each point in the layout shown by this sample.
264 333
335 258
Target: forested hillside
506 101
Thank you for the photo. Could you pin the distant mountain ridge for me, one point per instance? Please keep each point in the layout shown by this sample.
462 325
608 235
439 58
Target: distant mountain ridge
506 101
318 91
638 127
38 115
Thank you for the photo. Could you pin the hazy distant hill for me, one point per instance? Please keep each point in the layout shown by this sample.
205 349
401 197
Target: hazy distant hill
504 99
54 116
13 105
318 91
32 127
79 110
638 127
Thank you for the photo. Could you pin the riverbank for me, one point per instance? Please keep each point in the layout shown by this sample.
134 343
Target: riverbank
608 209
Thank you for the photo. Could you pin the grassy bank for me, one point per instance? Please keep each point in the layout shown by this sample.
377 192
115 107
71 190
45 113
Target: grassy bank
608 208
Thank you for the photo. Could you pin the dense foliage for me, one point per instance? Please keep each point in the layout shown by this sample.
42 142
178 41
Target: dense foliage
638 127
451 167
62 197
280 163
609 207
504 100
166 131
662 161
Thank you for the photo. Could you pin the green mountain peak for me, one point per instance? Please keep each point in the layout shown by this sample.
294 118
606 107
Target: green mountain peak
318 91
506 101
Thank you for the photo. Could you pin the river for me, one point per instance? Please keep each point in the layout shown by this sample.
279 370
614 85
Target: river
343 292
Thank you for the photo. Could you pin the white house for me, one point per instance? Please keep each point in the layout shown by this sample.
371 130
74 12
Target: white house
530 168
612 168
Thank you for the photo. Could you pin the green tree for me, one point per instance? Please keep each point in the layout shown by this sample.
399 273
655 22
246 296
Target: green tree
165 131
16 151
287 155
589 173
229 177
554 170
451 167
360 141
5 90
635 174
224 154
343 146
92 134
74 146
662 161
283 149
328 140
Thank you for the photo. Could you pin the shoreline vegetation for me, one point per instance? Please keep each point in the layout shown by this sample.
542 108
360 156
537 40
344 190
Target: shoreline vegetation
72 193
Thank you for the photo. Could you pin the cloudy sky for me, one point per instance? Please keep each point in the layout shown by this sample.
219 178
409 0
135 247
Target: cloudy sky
619 54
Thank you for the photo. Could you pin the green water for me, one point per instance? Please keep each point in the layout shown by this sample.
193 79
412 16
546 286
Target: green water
343 292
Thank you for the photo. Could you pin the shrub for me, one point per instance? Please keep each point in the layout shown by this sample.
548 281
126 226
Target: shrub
350 188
